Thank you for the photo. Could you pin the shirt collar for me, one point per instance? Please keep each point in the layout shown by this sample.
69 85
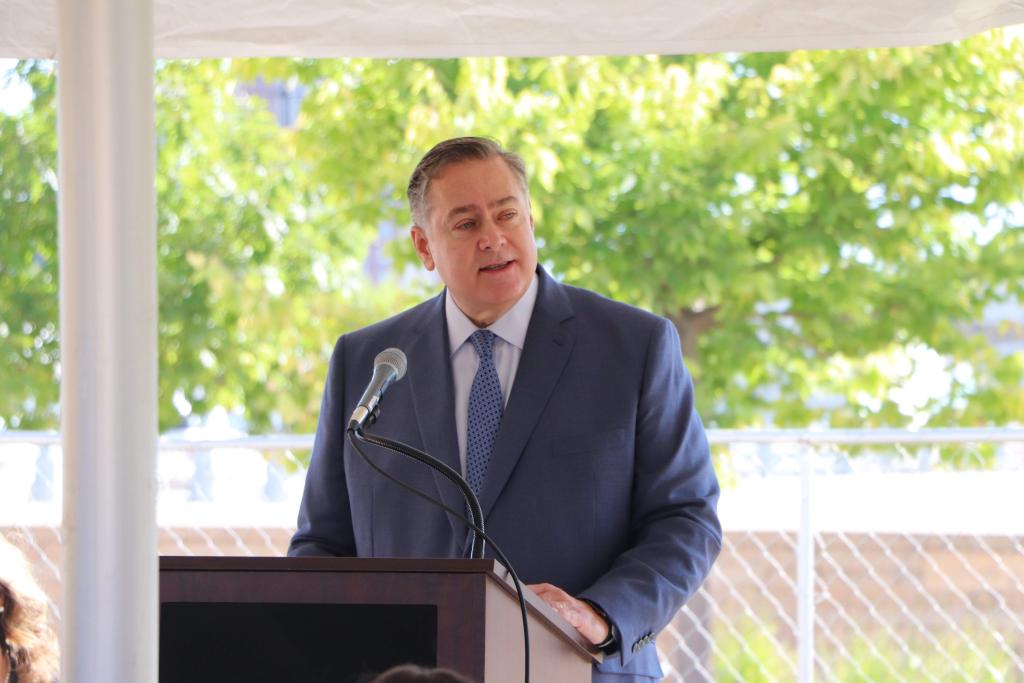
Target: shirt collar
511 326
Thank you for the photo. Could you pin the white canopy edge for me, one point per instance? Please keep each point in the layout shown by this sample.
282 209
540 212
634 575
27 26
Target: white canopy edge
453 28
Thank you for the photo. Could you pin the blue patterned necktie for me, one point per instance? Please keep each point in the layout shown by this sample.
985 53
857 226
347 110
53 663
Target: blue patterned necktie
485 408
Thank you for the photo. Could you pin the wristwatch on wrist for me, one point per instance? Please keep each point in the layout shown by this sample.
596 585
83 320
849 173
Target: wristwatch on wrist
609 645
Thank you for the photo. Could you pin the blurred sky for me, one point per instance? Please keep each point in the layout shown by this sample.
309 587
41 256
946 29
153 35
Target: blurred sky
14 93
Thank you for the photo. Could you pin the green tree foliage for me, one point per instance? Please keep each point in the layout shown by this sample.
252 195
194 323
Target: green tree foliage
257 275
822 227
29 353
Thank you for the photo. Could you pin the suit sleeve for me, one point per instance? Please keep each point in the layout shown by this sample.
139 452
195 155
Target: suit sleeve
675 535
325 518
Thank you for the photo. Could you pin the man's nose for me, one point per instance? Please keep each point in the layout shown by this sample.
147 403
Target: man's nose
492 236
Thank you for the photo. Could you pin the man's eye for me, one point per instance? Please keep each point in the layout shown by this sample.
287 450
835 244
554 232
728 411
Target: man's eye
464 225
508 215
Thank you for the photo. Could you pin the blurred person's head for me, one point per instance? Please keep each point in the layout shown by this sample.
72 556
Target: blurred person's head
410 673
29 647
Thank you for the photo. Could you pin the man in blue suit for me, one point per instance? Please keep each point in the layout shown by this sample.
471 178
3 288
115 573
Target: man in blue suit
572 415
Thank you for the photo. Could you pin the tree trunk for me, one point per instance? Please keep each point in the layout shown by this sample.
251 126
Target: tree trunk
691 325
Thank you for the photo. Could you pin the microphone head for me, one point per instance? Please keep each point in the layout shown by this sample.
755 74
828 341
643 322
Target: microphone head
395 358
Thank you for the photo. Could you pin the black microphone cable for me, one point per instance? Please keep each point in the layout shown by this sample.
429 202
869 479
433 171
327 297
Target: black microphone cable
476 512
421 457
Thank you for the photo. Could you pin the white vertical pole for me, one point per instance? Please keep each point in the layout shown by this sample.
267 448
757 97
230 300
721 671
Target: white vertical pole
107 247
805 570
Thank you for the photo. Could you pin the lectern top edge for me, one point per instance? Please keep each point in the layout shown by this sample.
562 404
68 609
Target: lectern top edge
328 564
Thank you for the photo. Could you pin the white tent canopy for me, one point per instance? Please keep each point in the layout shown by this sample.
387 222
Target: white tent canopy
450 28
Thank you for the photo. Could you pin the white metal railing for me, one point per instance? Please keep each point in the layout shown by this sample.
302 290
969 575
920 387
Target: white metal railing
846 437
287 445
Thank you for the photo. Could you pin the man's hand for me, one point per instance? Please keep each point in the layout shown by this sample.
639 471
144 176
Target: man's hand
578 613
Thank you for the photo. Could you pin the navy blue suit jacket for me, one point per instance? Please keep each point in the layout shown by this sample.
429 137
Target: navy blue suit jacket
600 483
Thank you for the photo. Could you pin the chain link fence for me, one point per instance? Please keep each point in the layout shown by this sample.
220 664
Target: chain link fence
916 565
911 546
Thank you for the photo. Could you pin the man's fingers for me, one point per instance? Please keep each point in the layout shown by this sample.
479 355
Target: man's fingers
556 599
578 613
552 595
576 618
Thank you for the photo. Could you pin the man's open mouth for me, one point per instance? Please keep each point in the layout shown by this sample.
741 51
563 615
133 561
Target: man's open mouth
496 266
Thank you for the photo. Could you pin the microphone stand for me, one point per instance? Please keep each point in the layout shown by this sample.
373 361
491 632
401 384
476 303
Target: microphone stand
355 434
475 511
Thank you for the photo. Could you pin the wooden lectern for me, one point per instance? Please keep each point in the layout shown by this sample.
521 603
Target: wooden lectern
344 620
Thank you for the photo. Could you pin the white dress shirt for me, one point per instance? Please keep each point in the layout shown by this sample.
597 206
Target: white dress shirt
510 332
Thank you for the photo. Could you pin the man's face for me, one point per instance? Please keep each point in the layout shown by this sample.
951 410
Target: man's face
479 236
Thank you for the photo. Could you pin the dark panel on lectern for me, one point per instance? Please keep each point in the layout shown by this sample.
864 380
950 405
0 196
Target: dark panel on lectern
287 642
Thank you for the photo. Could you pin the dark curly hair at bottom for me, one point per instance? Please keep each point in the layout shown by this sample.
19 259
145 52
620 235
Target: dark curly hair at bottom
410 673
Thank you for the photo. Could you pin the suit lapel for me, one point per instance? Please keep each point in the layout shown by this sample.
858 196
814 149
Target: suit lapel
545 352
430 375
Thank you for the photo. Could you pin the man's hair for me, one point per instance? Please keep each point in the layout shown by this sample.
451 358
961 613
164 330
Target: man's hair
454 151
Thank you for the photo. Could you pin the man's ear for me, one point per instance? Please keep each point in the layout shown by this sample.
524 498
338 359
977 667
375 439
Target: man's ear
422 245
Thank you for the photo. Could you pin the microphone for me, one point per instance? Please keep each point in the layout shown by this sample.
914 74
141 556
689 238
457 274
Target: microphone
388 367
